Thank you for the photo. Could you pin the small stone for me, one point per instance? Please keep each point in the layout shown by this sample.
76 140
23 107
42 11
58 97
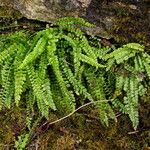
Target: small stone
133 7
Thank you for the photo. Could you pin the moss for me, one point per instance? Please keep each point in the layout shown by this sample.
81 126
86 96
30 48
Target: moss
8 12
78 132
65 142
129 29
12 124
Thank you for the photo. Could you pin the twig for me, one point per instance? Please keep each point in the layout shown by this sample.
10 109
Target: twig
133 132
47 123
100 101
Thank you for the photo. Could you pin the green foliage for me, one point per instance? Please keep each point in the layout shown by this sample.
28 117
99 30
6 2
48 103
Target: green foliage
21 143
131 70
59 65
97 82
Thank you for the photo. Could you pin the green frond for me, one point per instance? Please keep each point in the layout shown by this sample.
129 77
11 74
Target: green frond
76 51
79 74
7 84
90 61
77 85
68 98
131 102
146 66
19 75
140 63
96 89
126 84
119 83
30 101
66 21
87 49
142 90
22 141
20 78
146 56
124 53
73 32
40 91
42 68
37 51
110 64
102 108
135 46
101 52
48 94
8 52
117 103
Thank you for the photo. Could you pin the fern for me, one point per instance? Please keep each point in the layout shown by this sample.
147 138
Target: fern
7 84
96 87
38 49
131 101
129 78
54 67
67 21
20 144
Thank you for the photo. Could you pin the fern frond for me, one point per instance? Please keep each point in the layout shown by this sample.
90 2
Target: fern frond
146 66
30 101
76 51
117 103
69 99
124 53
91 61
20 78
77 85
37 51
119 82
66 21
141 63
48 94
135 46
7 84
96 89
38 90
22 141
8 52
131 102
19 75
87 49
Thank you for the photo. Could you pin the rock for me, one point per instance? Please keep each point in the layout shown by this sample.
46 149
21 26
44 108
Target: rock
114 18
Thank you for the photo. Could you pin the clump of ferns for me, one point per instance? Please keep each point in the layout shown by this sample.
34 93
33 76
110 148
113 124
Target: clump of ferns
40 67
130 64
58 64
124 80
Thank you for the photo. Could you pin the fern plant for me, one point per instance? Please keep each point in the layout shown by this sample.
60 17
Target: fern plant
131 68
53 67
29 64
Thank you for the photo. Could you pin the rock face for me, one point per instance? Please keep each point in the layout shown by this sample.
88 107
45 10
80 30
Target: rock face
122 20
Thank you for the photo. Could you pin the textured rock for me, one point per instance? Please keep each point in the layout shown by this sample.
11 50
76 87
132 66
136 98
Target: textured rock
110 16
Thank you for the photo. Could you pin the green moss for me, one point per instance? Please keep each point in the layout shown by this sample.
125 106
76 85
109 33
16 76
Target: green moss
128 29
12 124
8 12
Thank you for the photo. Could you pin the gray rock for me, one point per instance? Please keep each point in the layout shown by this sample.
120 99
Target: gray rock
105 14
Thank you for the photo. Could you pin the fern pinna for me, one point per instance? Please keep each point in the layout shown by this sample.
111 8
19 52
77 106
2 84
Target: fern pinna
59 64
